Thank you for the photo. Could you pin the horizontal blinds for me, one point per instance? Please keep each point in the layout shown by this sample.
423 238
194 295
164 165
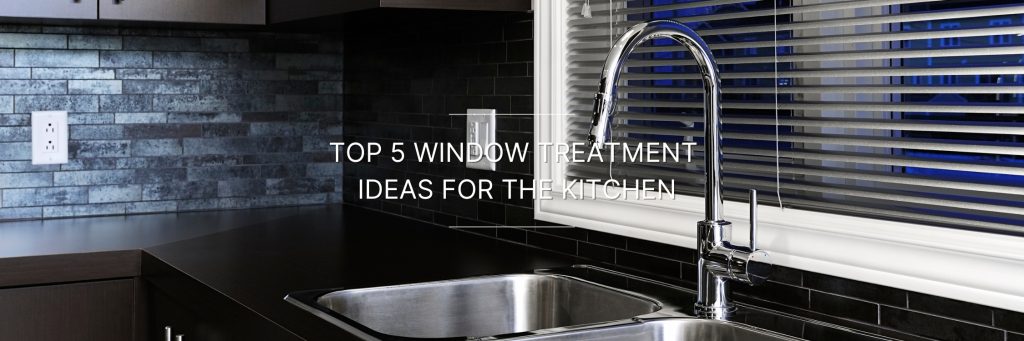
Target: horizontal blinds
900 109
582 31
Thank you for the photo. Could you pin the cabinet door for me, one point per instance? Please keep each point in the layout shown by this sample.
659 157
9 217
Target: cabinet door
54 9
101 310
250 12
165 313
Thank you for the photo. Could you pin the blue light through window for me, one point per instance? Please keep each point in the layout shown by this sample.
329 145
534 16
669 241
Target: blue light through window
967 99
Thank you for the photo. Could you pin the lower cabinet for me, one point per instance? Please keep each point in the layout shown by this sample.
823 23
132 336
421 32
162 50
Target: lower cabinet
181 310
98 310
171 320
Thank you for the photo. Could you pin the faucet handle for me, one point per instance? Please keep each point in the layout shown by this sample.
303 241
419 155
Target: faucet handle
755 266
753 219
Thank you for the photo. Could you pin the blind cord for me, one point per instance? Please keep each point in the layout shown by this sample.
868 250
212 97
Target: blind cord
775 54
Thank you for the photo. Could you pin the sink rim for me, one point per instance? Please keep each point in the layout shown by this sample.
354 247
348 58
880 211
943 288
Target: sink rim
640 322
308 300
657 303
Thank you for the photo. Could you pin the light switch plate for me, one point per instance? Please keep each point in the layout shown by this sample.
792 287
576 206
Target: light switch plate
49 137
480 129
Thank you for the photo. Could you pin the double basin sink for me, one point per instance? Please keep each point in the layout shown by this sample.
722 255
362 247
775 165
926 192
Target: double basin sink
536 306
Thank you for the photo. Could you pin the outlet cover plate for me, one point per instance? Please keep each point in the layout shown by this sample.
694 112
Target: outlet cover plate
49 137
480 130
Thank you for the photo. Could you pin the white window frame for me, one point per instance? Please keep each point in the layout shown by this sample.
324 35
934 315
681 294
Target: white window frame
976 267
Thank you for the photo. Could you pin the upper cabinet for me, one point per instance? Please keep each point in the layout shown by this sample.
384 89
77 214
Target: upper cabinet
49 9
247 12
292 10
244 12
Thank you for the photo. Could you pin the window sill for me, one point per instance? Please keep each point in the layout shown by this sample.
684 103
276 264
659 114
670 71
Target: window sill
970 266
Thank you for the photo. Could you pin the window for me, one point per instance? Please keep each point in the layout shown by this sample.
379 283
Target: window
987 85
884 118
898 129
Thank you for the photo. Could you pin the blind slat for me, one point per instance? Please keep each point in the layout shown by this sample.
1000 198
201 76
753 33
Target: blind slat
597 59
738 166
835 139
600 8
833 106
587 76
881 194
602 44
831 23
875 208
851 89
600 17
876 124
858 158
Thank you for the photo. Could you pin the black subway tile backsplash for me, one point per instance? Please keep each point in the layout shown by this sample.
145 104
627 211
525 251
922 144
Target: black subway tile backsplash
491 212
1009 320
597 252
786 275
651 264
820 332
775 323
405 92
776 292
937 327
843 307
950 308
856 289
573 233
662 250
607 239
551 242
513 235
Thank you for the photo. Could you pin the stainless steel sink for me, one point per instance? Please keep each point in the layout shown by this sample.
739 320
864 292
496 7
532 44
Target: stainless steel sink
580 302
484 306
668 329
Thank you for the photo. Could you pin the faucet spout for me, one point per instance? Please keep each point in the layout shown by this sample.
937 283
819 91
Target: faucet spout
719 261
605 99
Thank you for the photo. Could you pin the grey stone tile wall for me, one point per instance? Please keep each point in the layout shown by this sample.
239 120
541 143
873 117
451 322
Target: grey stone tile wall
165 120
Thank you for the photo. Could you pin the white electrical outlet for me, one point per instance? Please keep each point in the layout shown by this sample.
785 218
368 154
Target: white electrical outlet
49 137
480 132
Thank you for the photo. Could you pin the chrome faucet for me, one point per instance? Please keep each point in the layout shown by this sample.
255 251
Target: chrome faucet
719 260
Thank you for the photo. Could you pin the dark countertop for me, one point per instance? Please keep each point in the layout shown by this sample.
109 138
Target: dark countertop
326 248
29 238
34 252
251 259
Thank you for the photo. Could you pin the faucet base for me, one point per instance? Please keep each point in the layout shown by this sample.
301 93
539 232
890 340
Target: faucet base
714 312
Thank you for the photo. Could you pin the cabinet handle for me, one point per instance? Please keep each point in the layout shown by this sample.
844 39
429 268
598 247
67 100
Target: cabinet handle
118 2
168 333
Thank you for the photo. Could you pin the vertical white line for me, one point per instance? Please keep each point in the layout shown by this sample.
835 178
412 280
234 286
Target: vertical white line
611 43
775 54
611 28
